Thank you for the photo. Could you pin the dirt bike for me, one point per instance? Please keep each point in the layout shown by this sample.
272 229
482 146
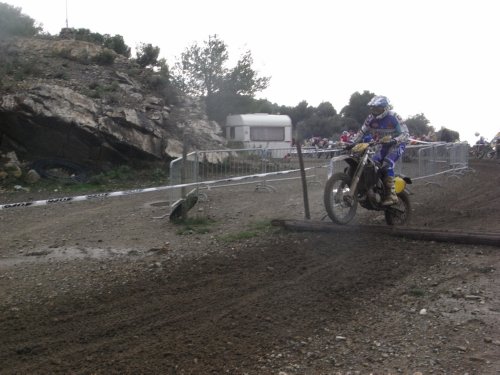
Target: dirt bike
481 151
491 151
361 182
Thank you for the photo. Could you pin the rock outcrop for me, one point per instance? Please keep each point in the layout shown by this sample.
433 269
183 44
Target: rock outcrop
57 102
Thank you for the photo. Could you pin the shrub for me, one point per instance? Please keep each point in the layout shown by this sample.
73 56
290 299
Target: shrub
86 35
93 85
147 55
20 69
66 53
102 91
115 43
157 82
15 23
113 98
31 67
105 57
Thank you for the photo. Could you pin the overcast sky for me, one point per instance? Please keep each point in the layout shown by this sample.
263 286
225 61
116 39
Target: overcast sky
436 57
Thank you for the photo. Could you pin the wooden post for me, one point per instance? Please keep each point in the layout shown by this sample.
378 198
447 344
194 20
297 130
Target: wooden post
304 181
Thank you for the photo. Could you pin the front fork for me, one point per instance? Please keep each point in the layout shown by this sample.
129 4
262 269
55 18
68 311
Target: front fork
356 177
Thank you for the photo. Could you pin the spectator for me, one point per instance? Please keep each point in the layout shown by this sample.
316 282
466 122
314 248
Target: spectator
345 137
495 143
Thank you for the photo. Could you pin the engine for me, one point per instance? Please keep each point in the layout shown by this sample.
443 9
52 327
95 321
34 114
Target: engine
373 197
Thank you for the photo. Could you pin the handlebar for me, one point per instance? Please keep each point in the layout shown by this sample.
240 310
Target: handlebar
349 146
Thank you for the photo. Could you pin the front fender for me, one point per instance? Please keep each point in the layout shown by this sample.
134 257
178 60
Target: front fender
336 159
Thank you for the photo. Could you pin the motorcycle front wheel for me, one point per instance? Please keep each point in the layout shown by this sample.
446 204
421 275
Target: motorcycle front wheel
480 153
399 213
340 202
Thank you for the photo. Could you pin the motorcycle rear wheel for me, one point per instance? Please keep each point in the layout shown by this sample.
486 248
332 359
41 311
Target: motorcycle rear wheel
399 214
341 207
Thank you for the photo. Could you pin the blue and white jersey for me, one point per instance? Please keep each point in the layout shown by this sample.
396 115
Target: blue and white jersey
389 125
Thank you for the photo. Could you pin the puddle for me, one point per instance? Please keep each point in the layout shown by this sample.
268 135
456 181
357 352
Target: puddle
67 254
157 204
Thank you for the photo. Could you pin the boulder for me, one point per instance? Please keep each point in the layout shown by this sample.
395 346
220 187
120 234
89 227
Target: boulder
32 176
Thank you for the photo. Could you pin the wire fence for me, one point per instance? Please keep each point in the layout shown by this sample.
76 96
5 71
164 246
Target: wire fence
221 168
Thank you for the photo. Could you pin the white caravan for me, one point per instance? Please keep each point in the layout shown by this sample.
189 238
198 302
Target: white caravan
260 130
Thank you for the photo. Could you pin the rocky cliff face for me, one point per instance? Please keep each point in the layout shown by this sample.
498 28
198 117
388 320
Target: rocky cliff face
57 99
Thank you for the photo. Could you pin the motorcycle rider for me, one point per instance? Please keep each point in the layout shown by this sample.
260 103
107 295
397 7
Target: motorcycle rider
496 143
389 128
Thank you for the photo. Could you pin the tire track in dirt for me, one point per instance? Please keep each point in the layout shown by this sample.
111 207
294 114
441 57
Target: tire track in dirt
262 305
261 298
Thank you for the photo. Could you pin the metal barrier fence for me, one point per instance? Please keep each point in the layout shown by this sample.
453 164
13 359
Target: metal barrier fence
426 160
219 168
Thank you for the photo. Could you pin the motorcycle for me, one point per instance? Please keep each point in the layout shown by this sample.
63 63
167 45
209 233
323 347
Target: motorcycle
361 182
491 151
485 150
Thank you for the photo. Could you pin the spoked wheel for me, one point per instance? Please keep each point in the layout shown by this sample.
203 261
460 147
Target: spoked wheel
399 214
340 202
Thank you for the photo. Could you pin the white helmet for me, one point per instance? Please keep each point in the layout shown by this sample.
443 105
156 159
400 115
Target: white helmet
379 101
379 106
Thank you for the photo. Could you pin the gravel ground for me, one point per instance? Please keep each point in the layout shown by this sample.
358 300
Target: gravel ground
101 287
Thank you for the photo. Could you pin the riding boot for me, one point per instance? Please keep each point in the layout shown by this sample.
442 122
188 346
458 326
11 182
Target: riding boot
390 197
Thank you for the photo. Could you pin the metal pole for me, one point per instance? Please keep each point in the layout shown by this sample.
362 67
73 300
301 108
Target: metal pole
184 166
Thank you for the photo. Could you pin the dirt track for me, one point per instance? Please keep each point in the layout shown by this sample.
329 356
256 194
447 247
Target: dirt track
103 287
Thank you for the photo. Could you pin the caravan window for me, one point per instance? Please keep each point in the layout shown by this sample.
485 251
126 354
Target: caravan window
262 133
